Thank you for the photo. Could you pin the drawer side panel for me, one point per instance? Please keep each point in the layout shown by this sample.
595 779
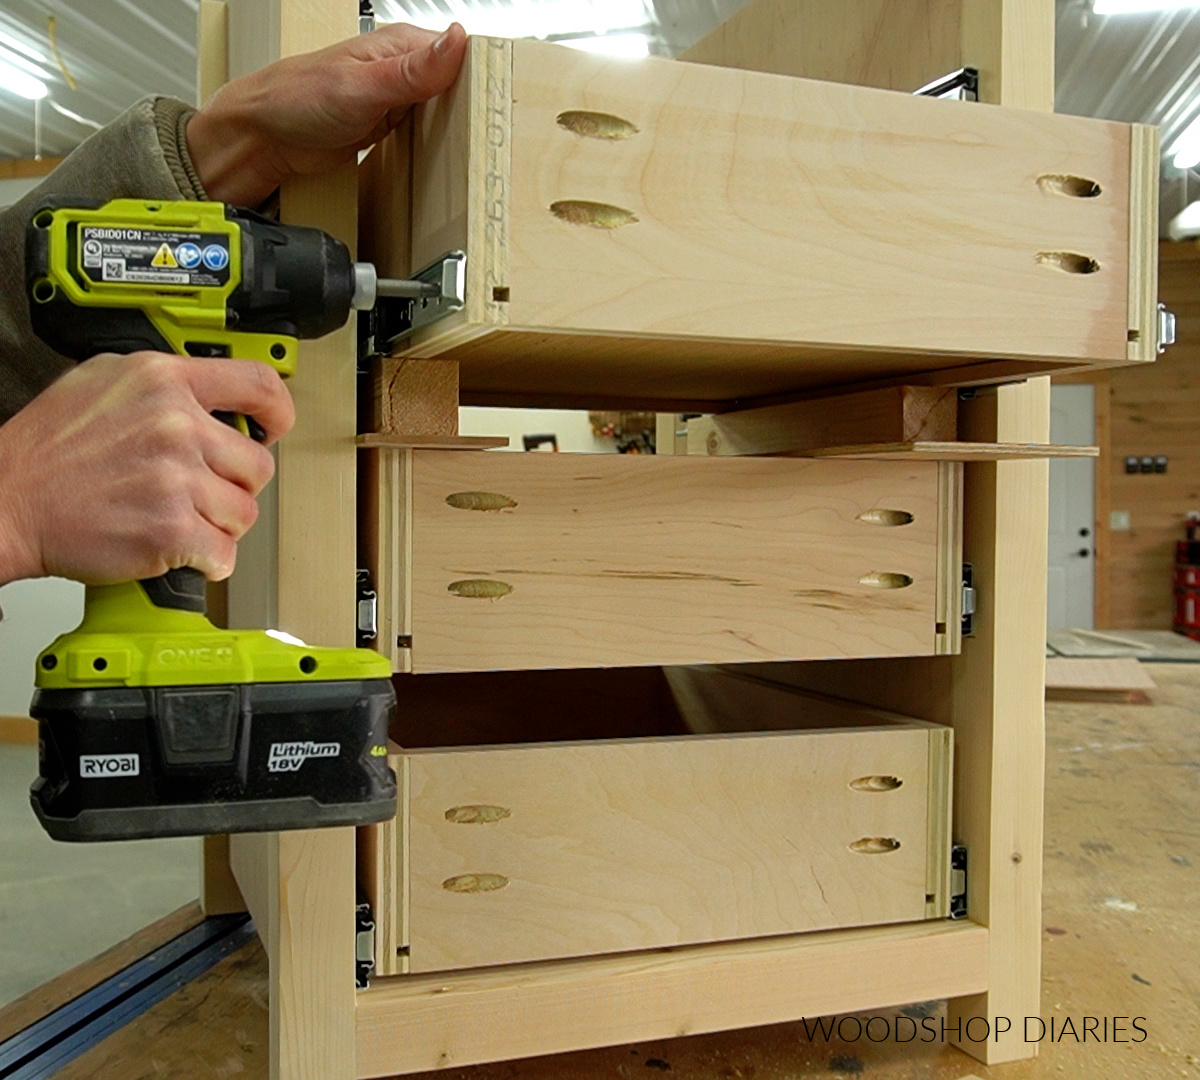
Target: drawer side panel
617 560
534 852
732 204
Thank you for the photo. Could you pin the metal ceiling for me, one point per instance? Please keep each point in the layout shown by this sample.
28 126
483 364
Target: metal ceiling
116 51
670 25
1142 68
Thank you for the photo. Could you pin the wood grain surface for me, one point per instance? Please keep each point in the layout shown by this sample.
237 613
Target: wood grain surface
837 230
956 451
656 995
1153 412
898 414
611 560
675 233
21 730
613 846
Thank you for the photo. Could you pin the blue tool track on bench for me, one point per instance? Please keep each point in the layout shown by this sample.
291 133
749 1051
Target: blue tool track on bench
60 1037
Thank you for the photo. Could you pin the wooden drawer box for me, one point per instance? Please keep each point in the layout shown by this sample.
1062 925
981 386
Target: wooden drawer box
667 230
504 854
488 561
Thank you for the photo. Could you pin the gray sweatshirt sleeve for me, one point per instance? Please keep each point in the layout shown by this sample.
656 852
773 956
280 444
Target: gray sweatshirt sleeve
141 154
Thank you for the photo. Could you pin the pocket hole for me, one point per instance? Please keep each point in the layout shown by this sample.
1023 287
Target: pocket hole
883 580
479 500
479 589
475 883
1076 187
876 783
875 845
887 518
596 125
597 215
1069 261
477 815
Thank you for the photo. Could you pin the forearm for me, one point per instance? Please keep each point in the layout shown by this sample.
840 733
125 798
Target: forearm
142 154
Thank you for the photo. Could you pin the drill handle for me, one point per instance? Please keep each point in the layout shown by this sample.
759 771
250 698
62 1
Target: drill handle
183 589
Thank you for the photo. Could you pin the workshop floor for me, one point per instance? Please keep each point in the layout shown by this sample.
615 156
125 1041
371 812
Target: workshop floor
61 904
1121 938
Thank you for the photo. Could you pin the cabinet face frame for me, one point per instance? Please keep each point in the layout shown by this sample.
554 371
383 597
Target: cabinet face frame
908 247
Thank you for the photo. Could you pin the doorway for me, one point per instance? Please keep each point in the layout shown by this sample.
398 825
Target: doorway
1071 580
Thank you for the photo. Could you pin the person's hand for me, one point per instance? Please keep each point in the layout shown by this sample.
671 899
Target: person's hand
311 113
118 471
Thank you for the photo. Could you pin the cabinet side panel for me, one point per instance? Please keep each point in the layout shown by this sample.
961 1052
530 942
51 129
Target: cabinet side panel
850 41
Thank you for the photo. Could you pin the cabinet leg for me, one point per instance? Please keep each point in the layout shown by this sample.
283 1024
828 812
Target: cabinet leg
311 949
300 889
999 728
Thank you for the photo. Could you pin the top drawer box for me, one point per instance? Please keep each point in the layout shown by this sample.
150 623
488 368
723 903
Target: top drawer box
673 230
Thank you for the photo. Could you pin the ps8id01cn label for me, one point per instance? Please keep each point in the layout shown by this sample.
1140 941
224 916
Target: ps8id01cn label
154 256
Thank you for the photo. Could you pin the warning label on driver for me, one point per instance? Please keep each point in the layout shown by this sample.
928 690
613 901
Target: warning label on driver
154 256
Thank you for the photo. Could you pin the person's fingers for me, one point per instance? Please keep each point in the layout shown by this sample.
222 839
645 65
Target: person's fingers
214 552
224 506
243 386
233 457
398 82
392 40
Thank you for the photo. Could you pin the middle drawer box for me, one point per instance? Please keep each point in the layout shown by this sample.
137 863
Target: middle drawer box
496 561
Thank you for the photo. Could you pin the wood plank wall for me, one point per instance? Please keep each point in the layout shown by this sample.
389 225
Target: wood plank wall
1156 410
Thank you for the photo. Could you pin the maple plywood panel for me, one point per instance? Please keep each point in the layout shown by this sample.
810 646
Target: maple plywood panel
609 560
560 369
631 227
534 852
768 208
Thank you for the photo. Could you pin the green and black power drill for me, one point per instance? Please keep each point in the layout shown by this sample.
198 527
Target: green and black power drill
153 722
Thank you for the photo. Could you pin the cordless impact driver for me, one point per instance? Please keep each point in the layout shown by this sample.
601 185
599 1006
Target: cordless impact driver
152 721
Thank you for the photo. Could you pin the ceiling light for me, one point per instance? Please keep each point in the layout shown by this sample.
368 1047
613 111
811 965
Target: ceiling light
633 46
1186 224
1134 7
21 53
17 81
1186 149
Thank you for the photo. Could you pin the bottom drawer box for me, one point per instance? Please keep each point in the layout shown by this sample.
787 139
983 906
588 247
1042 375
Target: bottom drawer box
530 852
